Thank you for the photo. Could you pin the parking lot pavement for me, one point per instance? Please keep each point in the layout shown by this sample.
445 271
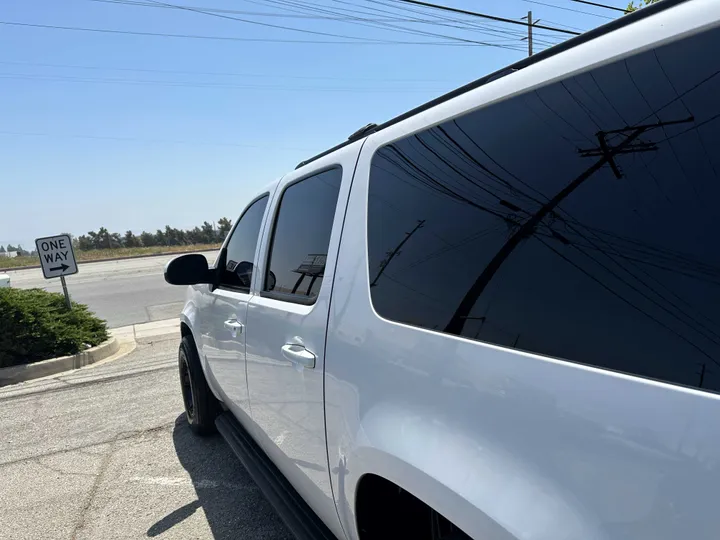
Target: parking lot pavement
104 452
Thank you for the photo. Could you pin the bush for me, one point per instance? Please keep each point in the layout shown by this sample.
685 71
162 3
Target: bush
35 325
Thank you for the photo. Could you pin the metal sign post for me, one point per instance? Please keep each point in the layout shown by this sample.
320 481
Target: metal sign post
57 260
65 292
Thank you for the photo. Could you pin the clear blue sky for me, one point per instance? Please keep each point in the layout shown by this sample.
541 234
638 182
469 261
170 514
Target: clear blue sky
135 132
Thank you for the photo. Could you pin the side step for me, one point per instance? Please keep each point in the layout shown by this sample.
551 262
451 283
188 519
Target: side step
293 510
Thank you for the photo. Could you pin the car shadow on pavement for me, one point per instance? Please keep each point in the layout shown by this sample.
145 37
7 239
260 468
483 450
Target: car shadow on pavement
231 501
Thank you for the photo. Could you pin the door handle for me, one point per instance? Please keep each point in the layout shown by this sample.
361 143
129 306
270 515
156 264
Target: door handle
234 326
299 355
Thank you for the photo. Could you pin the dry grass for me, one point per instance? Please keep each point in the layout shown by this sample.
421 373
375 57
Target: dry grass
102 254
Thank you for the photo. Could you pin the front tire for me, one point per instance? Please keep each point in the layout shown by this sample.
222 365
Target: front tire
201 406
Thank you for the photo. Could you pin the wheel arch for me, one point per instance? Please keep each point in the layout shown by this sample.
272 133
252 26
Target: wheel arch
186 330
477 485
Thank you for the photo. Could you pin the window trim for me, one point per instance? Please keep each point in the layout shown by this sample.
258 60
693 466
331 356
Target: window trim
233 288
289 297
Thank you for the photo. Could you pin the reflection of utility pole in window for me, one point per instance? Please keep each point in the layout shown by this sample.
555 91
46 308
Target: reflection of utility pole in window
527 229
313 266
391 254
702 374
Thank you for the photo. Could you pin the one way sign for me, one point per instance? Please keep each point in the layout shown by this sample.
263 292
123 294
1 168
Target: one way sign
56 256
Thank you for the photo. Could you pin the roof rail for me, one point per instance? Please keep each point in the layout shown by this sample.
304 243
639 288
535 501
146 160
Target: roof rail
571 43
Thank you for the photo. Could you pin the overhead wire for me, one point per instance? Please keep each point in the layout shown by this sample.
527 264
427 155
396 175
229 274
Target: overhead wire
217 73
555 6
485 16
212 85
470 23
145 141
145 3
309 8
258 23
228 38
299 6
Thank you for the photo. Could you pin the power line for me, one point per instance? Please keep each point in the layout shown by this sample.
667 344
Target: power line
569 9
216 73
141 140
212 85
247 21
382 25
469 25
485 16
229 38
601 5
253 13
566 25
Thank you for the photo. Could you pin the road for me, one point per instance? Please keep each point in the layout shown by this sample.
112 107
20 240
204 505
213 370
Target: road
125 292
104 452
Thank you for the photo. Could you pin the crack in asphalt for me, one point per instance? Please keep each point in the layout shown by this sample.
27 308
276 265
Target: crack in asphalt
82 522
123 435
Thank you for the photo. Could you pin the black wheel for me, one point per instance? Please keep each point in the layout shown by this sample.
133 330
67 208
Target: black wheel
201 406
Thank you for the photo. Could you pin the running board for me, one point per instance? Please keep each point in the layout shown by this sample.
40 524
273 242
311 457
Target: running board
293 510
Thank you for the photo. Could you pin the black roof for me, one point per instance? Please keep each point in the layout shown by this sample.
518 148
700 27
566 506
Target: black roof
525 62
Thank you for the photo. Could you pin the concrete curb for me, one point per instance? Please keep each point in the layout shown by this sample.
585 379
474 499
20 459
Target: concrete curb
148 330
126 257
26 372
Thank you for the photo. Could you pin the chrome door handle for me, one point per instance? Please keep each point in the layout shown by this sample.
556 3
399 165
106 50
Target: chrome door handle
234 326
298 354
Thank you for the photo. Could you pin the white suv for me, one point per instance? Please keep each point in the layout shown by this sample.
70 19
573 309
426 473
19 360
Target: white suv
496 316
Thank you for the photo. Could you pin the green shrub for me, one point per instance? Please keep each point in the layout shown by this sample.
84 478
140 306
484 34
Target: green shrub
35 325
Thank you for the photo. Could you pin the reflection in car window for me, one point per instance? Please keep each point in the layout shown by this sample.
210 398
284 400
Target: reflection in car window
241 246
302 234
577 220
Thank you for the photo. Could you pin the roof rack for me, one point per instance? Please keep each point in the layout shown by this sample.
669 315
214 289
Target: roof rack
529 61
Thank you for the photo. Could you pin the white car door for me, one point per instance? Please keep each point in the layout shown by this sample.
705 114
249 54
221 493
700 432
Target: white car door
286 324
223 315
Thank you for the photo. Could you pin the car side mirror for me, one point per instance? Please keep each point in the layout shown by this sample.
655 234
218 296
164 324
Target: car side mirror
191 269
271 281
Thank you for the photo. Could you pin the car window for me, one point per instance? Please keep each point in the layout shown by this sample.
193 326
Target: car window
302 235
241 247
577 220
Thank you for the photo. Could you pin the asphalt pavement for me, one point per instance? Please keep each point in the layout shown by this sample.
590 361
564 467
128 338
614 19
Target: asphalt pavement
124 292
104 452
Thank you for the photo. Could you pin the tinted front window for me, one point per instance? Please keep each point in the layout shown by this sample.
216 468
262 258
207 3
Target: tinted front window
577 221
302 235
241 246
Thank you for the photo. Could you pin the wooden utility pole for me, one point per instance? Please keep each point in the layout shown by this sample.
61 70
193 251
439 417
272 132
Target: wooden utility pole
529 38
527 229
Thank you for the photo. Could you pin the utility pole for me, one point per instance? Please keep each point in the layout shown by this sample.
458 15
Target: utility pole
529 36
395 251
527 229
702 374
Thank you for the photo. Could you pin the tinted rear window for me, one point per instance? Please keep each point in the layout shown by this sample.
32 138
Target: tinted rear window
577 221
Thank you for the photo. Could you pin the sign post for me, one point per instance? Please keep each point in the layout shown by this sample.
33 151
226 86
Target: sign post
65 292
57 260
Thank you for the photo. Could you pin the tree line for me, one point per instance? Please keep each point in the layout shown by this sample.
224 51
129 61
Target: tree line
207 233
